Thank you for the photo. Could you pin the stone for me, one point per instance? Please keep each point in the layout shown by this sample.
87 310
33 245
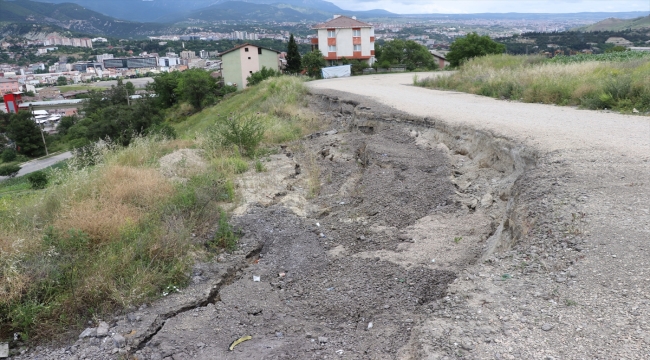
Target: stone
279 334
560 279
322 339
331 132
4 350
89 332
102 329
486 200
547 327
119 341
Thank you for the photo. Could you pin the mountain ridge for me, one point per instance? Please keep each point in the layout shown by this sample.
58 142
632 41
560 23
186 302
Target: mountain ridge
615 24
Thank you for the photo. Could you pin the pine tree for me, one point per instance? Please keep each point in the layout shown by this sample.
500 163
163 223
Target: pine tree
293 57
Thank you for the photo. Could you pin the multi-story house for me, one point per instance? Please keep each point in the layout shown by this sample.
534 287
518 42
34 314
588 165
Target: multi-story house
9 86
243 60
345 37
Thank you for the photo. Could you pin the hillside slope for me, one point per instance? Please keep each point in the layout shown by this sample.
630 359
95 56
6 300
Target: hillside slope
615 24
72 17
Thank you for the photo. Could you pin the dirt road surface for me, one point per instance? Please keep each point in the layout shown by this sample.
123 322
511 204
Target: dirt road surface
421 225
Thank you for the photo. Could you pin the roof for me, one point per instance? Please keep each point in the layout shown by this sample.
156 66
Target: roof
342 22
244 45
438 55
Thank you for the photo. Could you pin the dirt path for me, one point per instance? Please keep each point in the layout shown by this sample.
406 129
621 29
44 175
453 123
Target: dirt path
424 225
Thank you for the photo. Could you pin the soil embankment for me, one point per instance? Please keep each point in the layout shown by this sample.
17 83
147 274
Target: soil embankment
402 234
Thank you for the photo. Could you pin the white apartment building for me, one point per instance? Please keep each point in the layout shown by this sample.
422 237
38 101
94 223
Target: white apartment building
345 37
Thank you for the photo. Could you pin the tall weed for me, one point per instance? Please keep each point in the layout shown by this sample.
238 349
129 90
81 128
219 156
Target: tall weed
599 82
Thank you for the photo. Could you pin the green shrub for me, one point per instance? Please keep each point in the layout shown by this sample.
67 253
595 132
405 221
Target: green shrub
8 155
9 170
164 129
225 237
246 133
38 180
259 76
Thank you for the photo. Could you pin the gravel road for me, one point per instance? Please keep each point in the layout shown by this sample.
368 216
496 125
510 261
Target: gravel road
575 283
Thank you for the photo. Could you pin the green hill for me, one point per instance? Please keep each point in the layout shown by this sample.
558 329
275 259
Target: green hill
72 17
614 24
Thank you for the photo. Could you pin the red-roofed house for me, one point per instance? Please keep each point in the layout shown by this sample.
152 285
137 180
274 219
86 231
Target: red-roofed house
345 37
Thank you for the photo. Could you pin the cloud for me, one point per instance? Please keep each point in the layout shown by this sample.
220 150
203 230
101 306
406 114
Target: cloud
495 6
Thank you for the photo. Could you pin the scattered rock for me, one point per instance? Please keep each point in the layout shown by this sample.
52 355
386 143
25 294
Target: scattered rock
89 332
331 132
322 339
102 329
547 327
119 341
486 200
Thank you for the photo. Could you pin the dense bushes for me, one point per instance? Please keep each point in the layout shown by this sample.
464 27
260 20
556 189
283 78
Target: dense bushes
38 180
9 170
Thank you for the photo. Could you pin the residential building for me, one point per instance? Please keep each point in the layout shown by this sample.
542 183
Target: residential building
9 86
345 37
243 60
188 54
440 58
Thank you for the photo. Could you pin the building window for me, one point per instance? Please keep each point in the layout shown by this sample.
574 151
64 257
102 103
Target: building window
250 72
331 33
259 51
331 48
357 47
246 49
249 58
356 32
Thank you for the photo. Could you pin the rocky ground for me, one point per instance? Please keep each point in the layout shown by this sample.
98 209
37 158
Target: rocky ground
400 236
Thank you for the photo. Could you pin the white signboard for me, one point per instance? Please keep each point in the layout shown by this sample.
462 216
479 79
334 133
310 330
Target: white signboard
337 71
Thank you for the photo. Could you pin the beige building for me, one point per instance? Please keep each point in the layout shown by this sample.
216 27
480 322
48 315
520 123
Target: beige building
345 37
9 86
241 61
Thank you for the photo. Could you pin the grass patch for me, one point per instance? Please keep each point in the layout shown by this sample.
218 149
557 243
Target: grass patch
67 88
109 230
278 104
619 81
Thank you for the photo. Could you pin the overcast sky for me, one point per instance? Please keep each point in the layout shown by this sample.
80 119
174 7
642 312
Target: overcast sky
498 6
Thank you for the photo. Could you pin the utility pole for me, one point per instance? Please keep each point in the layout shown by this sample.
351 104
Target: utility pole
31 111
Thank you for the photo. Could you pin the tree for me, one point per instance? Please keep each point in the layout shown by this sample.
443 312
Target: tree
164 86
61 81
408 53
26 134
197 87
313 62
472 46
293 57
